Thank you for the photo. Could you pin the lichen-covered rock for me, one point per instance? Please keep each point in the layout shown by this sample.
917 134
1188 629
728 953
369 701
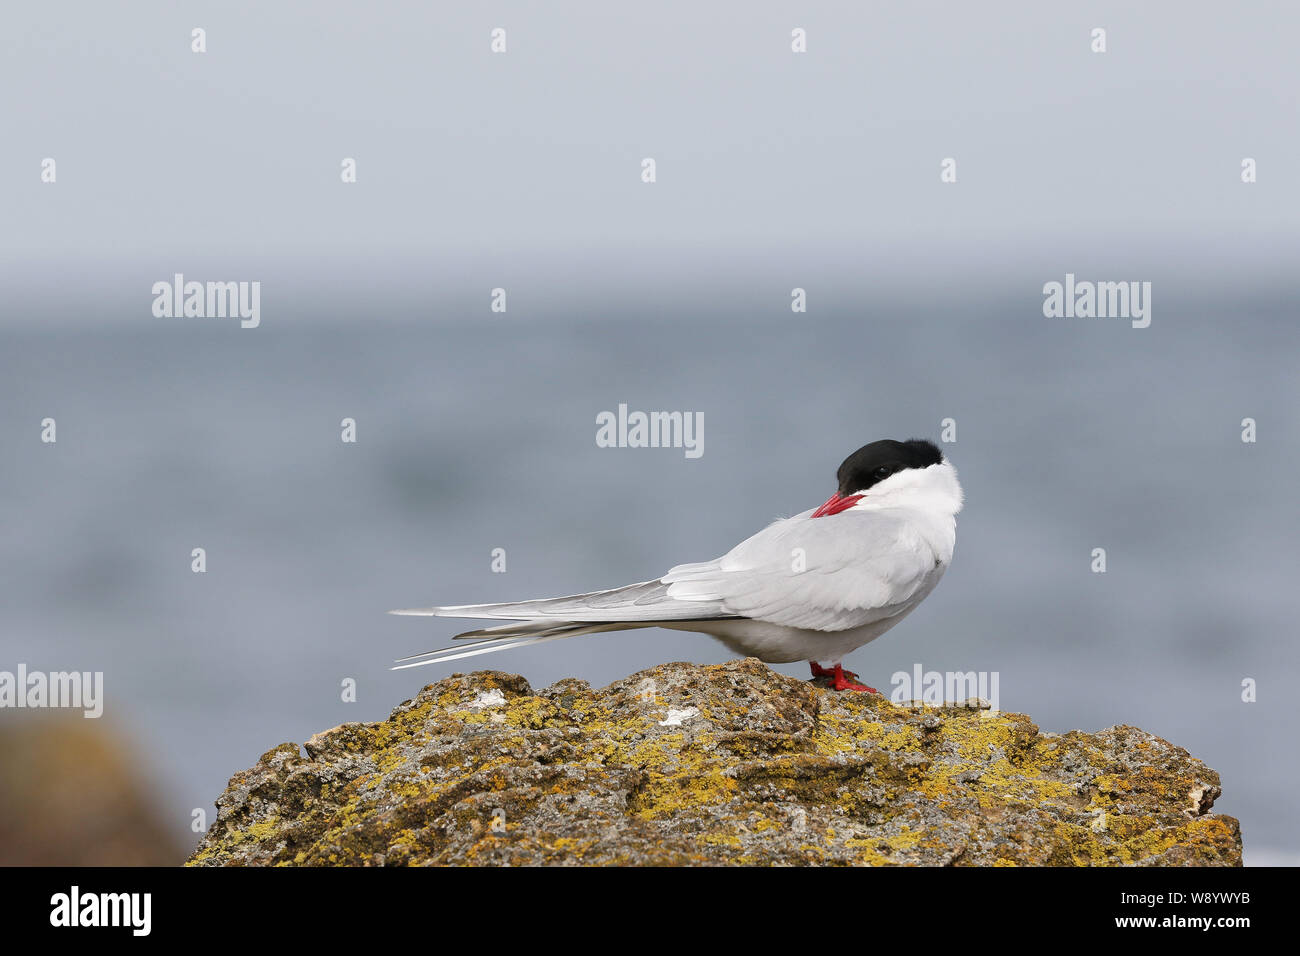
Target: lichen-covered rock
727 764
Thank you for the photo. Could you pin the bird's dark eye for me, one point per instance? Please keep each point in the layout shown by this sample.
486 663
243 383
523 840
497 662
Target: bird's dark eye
884 471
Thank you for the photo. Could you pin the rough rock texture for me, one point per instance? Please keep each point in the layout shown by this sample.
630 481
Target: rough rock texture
728 764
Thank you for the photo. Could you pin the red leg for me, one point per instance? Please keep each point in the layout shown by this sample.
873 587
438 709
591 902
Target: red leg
840 678
840 682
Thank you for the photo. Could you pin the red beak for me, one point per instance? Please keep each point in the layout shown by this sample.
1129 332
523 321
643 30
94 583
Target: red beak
835 504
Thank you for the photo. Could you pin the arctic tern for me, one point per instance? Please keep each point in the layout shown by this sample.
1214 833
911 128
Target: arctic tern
812 587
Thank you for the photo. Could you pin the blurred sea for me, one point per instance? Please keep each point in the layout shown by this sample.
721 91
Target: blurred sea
477 433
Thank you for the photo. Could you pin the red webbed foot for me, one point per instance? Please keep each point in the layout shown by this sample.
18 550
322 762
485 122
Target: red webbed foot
840 679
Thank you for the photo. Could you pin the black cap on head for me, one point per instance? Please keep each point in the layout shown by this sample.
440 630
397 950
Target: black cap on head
875 462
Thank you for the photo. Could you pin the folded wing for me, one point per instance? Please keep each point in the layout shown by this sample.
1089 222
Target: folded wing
645 601
824 574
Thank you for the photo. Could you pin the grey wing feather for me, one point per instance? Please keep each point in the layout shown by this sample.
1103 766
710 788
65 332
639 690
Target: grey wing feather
825 575
550 619
645 601
506 638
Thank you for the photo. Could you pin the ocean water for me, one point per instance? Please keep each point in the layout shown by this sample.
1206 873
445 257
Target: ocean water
477 432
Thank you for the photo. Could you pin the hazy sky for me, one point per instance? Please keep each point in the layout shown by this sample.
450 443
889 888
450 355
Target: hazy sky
527 163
